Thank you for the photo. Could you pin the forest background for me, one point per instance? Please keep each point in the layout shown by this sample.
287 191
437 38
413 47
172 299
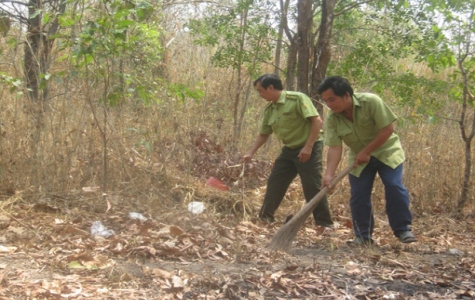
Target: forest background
110 105
114 95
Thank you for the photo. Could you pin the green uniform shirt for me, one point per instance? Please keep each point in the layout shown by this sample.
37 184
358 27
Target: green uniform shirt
370 114
287 118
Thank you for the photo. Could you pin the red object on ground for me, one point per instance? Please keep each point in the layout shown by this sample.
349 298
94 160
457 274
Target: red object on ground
216 183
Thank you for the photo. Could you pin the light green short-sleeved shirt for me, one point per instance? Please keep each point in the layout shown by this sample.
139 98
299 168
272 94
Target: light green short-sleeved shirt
287 118
370 114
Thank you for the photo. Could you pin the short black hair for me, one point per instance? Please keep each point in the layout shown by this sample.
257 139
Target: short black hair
338 84
269 79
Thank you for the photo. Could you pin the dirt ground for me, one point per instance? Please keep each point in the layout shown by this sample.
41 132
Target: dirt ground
47 251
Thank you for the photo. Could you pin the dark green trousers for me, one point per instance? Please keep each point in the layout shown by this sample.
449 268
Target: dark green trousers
286 168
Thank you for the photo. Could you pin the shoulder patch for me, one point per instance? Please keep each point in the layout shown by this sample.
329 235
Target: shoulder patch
294 97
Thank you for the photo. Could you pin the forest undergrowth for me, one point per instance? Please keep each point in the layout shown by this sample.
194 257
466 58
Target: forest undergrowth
153 247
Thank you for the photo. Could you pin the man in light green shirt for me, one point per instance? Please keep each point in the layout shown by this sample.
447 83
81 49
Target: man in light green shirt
364 123
292 117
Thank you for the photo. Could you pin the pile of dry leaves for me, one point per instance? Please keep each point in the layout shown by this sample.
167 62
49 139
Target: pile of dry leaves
50 252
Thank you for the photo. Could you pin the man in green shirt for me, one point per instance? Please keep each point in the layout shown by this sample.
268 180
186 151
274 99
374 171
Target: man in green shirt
365 124
295 121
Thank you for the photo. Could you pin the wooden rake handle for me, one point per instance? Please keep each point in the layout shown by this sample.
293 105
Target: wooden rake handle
282 240
341 175
310 206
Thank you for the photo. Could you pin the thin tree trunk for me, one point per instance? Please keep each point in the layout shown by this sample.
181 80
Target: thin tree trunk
237 99
304 21
293 47
322 52
38 49
283 23
32 51
466 178
291 64
467 138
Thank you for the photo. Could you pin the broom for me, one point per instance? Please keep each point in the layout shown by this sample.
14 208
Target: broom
283 238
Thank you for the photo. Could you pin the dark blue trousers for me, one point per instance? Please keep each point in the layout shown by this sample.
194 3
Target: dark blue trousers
397 199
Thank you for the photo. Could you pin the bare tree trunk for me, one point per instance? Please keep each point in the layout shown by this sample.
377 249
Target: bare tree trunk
291 64
467 138
304 21
466 178
322 52
38 49
293 47
237 98
32 50
283 23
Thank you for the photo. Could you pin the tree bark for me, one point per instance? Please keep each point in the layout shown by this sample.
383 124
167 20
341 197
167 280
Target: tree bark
32 50
283 23
466 137
38 48
304 23
237 98
322 52
291 64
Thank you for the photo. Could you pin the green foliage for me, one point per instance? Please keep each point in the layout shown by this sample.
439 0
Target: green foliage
456 29
379 45
66 21
241 36
144 11
181 92
5 24
13 83
418 92
118 46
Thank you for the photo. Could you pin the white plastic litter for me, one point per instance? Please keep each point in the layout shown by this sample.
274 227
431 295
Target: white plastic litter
137 216
196 207
98 229
455 251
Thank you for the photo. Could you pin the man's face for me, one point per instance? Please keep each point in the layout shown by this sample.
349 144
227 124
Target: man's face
336 103
268 94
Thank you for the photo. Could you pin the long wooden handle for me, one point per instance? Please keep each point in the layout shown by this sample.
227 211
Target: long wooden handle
345 172
310 206
283 238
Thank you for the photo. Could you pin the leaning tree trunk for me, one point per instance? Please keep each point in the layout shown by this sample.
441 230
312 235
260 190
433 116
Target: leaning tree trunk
322 52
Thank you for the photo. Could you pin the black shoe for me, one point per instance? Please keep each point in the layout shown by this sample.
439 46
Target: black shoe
267 219
407 237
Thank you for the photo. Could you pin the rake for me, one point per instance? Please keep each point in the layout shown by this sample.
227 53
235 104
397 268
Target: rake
284 237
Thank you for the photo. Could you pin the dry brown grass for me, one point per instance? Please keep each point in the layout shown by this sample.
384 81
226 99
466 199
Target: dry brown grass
152 149
60 178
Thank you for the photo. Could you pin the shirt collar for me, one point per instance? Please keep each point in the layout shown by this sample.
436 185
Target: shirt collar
282 97
355 101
